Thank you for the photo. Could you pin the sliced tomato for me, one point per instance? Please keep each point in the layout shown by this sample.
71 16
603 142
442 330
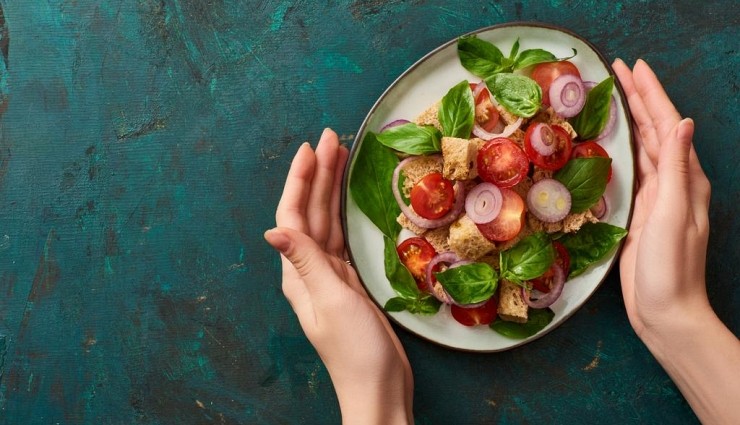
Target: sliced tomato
415 253
502 162
484 108
562 258
562 141
509 221
545 73
433 196
589 150
482 315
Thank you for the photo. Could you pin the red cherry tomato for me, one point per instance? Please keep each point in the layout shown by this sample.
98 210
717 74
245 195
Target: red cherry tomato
483 103
545 73
509 221
433 196
502 162
556 160
482 315
590 150
562 258
415 253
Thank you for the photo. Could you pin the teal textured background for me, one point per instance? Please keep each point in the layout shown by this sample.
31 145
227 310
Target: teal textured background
143 148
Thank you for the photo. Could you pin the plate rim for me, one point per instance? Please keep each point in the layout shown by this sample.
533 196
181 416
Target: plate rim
362 130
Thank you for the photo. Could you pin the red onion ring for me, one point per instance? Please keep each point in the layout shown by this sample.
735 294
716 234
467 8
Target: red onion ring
479 88
567 95
549 200
612 121
394 124
479 132
549 298
483 203
543 140
445 257
600 208
415 218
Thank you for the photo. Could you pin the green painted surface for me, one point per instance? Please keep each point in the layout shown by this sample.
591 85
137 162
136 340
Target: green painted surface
143 147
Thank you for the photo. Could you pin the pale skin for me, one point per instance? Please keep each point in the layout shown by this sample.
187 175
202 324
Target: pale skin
667 306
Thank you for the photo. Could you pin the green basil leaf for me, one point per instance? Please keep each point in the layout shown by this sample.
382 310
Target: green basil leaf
520 95
536 56
424 304
412 139
398 275
591 243
370 185
480 57
529 258
538 319
592 119
585 179
514 51
457 111
470 283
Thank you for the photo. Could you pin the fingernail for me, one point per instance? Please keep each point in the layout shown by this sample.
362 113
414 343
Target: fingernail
277 240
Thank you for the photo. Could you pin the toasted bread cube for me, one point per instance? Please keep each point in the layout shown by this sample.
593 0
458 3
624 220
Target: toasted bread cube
407 224
467 241
459 158
511 305
430 117
419 168
439 238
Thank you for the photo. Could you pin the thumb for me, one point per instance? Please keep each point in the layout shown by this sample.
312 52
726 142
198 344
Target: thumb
673 165
309 260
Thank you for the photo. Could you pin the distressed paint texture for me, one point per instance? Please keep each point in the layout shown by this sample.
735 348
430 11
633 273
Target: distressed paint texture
143 147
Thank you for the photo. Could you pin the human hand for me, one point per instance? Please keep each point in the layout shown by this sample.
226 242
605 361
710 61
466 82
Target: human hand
367 364
663 260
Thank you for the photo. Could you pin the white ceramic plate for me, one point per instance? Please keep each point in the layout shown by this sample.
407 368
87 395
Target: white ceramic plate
415 90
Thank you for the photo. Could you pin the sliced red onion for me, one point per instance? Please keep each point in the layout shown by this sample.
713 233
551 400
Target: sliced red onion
479 88
447 258
415 218
483 203
478 131
600 208
549 200
567 95
546 300
543 139
612 121
394 124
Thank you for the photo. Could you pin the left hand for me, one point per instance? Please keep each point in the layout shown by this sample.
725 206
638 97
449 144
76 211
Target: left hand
365 359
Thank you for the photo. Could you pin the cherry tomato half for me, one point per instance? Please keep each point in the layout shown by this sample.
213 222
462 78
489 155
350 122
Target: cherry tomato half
562 258
545 73
502 162
433 196
589 150
509 221
415 253
556 160
482 315
484 108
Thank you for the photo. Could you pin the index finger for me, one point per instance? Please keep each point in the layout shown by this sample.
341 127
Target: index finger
291 210
659 105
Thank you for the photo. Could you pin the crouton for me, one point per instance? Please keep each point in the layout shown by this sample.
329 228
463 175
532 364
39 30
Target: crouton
407 224
511 305
541 174
430 117
459 158
419 168
571 223
439 238
467 241
505 115
549 116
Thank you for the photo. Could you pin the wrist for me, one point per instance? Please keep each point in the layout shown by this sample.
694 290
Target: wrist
371 403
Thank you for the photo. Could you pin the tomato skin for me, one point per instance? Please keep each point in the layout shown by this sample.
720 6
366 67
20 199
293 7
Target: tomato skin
591 149
556 160
433 196
483 101
562 258
509 221
545 73
502 162
482 315
415 253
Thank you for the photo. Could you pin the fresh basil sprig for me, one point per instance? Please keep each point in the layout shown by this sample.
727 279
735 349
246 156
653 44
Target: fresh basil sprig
585 179
591 243
529 258
484 59
398 275
469 283
424 304
592 119
457 111
412 139
538 319
370 185
520 95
